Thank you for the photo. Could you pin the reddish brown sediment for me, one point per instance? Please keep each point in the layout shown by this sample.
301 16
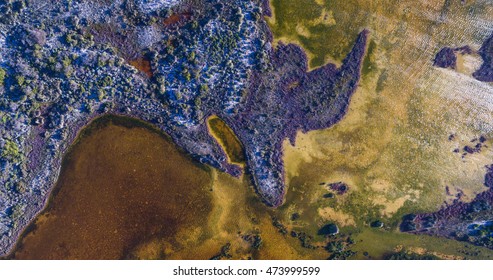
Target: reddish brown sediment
143 65
176 18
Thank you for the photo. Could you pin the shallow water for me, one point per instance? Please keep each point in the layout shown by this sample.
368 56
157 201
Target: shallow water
227 139
126 192
122 184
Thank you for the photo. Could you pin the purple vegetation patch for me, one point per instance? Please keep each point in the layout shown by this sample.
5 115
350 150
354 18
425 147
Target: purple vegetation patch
266 8
339 187
288 99
485 73
446 58
488 178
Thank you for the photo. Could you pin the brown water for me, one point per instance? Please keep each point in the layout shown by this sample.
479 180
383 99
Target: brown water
126 192
122 186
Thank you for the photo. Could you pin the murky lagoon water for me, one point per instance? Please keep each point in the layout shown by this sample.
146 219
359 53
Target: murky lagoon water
122 184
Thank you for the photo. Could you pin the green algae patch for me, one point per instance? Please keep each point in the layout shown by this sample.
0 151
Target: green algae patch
227 139
318 26
380 244
2 76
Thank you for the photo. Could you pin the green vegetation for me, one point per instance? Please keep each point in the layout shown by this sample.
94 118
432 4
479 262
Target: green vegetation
380 244
11 150
191 56
66 61
16 212
2 76
101 94
186 74
20 80
368 64
221 44
403 255
204 89
106 81
4 119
